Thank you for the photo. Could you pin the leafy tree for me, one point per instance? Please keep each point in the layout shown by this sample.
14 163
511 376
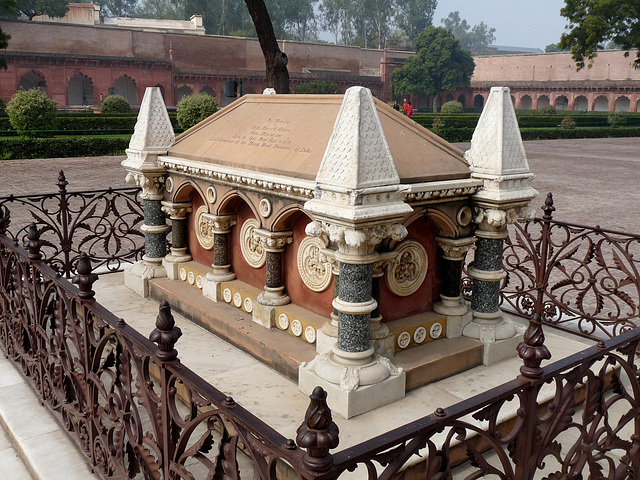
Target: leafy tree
414 16
115 104
474 39
593 22
31 111
162 9
193 109
316 86
6 6
33 8
553 47
337 18
440 64
117 8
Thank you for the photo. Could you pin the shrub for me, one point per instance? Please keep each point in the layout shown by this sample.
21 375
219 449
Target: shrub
193 109
317 86
568 122
3 107
548 110
616 119
11 148
31 112
439 123
451 108
115 104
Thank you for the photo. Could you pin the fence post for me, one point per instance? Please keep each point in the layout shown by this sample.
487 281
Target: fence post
85 278
63 205
165 335
318 433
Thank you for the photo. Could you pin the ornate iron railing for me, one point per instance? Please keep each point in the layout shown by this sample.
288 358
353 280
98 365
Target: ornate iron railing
136 411
591 281
103 223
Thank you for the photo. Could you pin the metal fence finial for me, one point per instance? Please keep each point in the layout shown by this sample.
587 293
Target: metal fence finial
318 433
33 243
5 220
166 334
85 278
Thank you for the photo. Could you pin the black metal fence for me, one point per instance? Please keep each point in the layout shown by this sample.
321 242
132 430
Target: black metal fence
137 412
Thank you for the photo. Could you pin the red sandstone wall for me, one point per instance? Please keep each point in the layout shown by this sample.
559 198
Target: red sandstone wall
609 65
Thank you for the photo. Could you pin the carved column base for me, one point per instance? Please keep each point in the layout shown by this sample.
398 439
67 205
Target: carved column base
273 297
499 336
171 261
212 282
356 382
381 339
457 313
138 275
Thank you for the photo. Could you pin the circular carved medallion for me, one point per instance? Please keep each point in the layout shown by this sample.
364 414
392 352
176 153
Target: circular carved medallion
183 274
283 321
252 250
211 194
420 334
191 278
226 294
199 281
310 334
409 269
315 274
435 331
168 184
404 339
464 216
296 327
203 234
237 299
265 207
248 305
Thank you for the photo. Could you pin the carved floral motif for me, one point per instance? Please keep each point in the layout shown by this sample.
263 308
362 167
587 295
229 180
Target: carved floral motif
252 249
313 266
407 272
204 234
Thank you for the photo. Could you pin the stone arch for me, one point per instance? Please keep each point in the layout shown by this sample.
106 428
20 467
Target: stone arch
448 98
461 99
478 101
526 102
183 91
208 90
581 103
601 104
283 219
231 201
183 192
80 90
543 101
161 87
31 80
126 86
623 104
562 102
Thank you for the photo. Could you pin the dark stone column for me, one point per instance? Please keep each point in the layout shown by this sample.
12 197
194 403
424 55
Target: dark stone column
178 214
155 229
274 244
354 305
219 226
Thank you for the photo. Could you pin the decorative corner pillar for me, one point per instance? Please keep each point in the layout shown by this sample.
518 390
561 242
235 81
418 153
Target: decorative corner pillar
153 136
273 296
327 336
454 251
381 339
358 201
178 214
497 157
219 226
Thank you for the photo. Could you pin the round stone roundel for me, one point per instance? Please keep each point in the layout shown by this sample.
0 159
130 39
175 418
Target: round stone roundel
203 234
252 251
409 269
315 273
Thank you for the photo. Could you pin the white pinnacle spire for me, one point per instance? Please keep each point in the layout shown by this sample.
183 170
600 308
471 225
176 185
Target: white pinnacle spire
153 132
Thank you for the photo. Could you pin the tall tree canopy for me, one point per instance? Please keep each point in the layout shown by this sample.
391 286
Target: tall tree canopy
440 64
6 7
414 16
475 39
593 22
33 8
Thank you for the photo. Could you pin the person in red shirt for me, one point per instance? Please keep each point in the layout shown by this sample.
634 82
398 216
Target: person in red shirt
409 109
404 106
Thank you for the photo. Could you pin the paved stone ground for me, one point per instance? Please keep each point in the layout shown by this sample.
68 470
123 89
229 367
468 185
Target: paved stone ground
594 181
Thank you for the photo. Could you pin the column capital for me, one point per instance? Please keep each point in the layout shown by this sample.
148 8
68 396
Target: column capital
273 241
151 182
380 265
177 211
218 224
494 219
455 249
356 244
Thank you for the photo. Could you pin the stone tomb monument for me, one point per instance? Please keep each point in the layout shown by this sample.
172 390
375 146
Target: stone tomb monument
339 223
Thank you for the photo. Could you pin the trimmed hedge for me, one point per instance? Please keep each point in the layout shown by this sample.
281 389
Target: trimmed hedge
17 148
464 134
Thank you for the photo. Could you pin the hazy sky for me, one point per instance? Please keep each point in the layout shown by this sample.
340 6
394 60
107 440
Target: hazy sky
517 23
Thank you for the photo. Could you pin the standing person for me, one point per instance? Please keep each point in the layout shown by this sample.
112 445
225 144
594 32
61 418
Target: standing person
396 106
409 110
404 106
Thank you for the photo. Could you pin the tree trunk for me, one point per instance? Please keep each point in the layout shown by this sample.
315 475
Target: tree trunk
275 60
436 102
